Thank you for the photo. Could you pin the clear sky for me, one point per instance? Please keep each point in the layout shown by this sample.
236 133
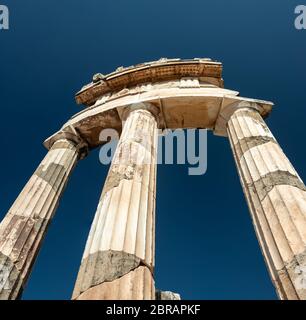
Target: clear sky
206 247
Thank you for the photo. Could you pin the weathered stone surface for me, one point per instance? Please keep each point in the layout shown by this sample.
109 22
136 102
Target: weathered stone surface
247 143
54 174
121 238
267 182
9 276
25 225
105 266
135 285
167 295
277 200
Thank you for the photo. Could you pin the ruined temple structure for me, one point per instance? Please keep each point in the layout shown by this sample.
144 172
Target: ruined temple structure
118 261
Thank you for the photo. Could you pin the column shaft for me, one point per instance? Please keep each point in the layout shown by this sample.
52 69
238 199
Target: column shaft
276 197
119 255
24 227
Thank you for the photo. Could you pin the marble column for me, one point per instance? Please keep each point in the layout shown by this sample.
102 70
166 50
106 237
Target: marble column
118 260
23 228
276 196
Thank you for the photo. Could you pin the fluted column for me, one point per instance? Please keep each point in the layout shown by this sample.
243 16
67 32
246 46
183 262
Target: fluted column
23 228
276 196
118 260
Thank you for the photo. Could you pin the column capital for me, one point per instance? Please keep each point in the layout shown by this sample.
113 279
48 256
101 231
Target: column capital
231 105
148 106
71 135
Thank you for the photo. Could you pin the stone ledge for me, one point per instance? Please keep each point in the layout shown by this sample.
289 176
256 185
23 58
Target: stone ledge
156 71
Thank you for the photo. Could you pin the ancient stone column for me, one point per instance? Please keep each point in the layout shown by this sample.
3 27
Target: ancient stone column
23 228
118 260
276 196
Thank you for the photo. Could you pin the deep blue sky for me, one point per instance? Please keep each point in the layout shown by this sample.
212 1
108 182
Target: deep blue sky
206 247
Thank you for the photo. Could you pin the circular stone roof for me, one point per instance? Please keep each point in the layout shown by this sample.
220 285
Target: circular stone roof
188 93
149 72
